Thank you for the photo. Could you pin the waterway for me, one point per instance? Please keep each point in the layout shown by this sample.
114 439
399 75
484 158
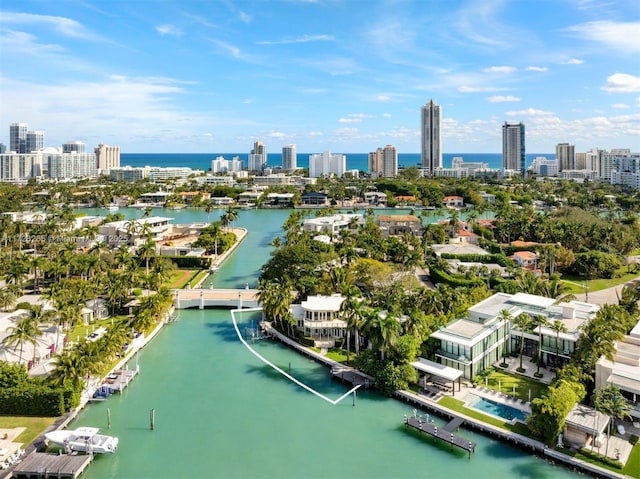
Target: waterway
220 412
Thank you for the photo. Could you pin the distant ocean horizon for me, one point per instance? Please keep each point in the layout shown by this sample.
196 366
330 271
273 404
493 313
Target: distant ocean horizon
355 161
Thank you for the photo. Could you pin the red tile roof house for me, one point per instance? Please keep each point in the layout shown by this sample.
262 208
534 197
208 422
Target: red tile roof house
526 260
453 201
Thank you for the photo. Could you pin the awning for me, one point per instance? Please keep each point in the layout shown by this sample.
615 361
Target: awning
437 369
625 383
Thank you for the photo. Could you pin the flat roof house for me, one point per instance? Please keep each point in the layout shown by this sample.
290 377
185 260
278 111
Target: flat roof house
332 224
397 225
474 343
624 371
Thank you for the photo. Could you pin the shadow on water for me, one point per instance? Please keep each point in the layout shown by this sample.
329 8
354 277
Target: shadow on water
430 441
533 470
223 331
497 450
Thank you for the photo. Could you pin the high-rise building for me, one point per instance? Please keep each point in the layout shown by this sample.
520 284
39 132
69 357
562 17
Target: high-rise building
20 167
566 156
3 148
18 137
35 141
375 163
258 157
327 164
389 161
107 157
289 158
430 135
513 150
73 147
70 165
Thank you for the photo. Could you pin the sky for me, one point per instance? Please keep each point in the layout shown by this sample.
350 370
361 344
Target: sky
344 76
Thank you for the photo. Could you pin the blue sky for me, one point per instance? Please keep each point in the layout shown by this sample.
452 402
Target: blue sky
339 75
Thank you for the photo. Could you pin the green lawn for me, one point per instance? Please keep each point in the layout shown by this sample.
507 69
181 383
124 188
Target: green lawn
179 278
197 277
502 381
35 426
632 468
576 284
82 331
458 406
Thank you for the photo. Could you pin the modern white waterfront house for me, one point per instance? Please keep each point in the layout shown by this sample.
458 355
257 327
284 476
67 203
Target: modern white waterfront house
332 224
624 371
478 341
320 317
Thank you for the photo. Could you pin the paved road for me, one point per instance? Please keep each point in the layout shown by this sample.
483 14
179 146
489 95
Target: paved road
604 296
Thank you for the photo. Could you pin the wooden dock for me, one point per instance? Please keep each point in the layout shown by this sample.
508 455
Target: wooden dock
445 433
351 375
43 465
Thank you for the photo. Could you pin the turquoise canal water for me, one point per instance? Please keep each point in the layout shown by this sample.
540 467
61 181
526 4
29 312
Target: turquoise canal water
221 413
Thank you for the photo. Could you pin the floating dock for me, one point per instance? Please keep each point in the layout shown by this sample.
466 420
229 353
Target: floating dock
445 433
43 465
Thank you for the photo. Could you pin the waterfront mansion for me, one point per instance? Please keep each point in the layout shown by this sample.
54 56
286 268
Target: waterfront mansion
320 318
478 341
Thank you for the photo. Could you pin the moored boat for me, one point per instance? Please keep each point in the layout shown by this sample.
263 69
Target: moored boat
83 439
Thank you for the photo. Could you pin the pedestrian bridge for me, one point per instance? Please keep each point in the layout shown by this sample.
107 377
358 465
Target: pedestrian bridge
216 298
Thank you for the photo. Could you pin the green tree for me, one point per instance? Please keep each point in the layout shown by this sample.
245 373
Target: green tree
523 322
610 401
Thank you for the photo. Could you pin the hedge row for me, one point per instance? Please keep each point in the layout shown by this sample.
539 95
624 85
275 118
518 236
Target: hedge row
190 262
439 276
500 259
601 457
32 400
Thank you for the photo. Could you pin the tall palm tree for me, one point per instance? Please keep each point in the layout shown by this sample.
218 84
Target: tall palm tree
505 315
523 322
382 329
275 297
611 402
8 298
558 327
26 330
539 321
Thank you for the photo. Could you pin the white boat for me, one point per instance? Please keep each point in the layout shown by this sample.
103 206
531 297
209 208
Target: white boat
113 207
83 439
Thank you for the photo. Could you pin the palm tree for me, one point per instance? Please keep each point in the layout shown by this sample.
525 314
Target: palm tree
505 315
275 297
8 298
71 369
558 327
208 208
382 329
523 322
26 330
539 321
611 402
352 308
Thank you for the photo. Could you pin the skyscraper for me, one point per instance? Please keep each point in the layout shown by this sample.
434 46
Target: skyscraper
566 156
327 164
18 137
513 150
375 163
73 147
107 157
389 161
289 158
35 141
258 157
430 135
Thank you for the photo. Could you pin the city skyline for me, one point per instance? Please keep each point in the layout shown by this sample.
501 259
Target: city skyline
202 77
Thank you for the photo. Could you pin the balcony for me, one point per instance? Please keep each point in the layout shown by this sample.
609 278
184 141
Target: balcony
454 357
552 350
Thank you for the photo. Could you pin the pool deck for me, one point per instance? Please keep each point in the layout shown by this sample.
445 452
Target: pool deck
495 396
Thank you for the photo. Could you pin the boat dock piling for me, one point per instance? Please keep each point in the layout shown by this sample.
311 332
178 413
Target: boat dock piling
444 434
45 465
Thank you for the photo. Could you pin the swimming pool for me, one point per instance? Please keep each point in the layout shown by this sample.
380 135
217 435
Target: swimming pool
491 407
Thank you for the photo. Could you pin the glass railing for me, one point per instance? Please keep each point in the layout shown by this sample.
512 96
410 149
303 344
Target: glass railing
456 357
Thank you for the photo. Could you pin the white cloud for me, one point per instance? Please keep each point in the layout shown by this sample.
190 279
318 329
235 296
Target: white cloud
530 112
232 50
572 61
388 115
168 29
300 39
620 106
502 98
64 26
276 135
622 83
500 69
245 17
476 89
383 98
350 120
536 69
621 36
